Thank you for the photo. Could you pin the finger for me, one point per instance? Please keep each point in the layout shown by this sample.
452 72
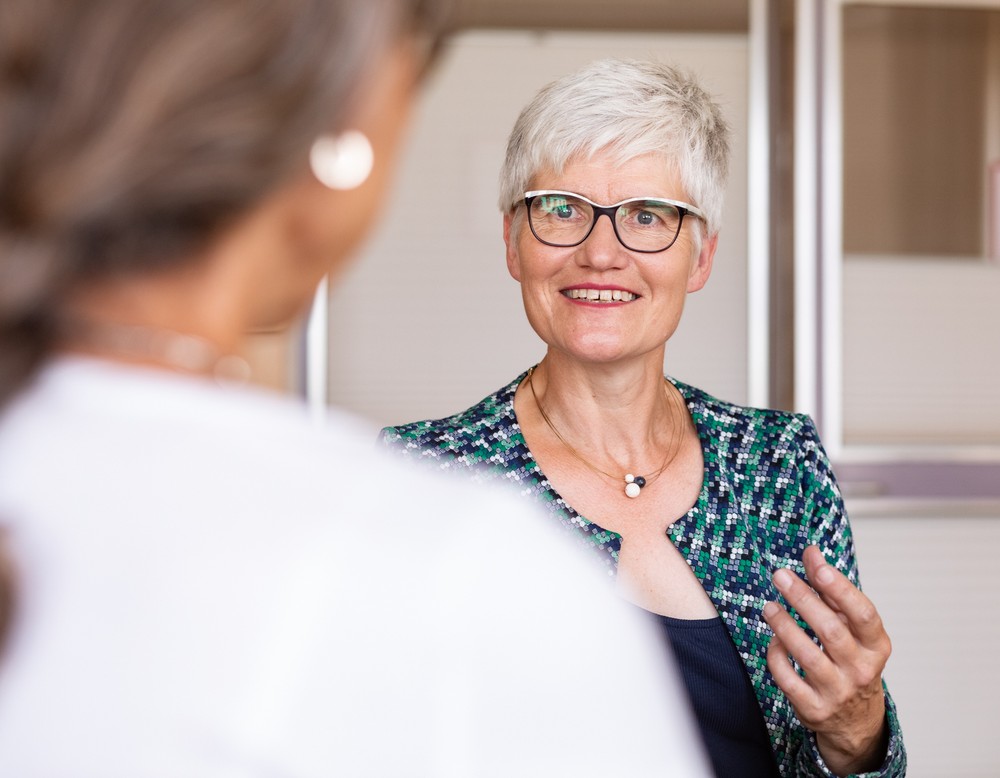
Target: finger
806 601
817 665
818 575
835 635
799 692
843 596
813 557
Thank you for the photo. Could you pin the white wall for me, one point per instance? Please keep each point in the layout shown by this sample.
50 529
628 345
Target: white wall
429 321
936 583
921 351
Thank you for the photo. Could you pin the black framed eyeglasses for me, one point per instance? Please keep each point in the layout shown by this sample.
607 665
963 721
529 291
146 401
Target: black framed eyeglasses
645 224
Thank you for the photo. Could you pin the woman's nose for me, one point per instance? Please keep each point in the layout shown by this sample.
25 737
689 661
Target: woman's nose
602 249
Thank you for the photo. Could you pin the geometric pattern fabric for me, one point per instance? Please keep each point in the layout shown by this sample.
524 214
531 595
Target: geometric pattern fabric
768 492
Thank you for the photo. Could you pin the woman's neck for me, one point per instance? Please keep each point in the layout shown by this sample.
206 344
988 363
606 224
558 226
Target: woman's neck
177 321
623 413
155 347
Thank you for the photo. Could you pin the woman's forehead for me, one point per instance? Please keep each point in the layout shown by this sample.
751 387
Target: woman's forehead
606 178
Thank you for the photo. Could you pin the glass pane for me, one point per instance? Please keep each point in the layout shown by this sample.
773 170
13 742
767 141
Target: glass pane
919 88
921 299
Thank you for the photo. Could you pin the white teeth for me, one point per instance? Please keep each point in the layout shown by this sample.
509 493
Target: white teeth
600 295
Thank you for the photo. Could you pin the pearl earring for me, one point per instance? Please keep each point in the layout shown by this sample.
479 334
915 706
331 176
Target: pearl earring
342 161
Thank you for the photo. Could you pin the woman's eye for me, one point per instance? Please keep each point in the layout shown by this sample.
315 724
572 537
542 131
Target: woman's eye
651 217
558 209
644 218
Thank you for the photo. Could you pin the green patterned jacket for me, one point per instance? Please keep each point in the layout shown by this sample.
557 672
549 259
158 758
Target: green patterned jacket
768 492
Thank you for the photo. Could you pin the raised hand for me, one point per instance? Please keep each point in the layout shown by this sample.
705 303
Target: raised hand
840 698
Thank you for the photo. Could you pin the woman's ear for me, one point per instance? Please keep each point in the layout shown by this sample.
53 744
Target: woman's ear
701 268
510 239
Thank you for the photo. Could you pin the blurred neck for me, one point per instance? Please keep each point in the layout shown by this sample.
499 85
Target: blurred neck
246 280
193 301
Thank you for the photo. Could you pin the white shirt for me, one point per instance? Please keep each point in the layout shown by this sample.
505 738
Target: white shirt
211 585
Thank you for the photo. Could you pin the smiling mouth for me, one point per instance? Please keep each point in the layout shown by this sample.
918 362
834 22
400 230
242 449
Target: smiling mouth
600 295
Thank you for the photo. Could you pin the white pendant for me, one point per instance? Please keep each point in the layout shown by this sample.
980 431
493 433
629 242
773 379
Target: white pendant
632 489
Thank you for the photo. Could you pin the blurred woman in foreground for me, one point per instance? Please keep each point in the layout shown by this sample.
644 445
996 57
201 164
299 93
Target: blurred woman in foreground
192 594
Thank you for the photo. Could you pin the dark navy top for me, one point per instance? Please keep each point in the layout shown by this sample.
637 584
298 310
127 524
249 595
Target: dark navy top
722 697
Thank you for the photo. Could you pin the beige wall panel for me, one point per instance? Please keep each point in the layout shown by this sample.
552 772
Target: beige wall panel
935 582
921 352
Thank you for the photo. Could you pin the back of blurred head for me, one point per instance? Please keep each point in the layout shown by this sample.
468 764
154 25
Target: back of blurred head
133 133
629 108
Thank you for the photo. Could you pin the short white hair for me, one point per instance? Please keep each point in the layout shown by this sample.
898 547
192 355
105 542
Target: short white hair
628 108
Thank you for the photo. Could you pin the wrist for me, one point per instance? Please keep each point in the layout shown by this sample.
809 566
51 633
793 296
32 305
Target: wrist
858 752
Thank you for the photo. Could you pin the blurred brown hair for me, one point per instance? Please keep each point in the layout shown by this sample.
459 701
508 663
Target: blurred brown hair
132 132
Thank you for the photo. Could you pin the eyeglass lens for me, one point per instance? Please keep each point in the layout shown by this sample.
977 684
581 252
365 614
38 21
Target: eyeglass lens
641 225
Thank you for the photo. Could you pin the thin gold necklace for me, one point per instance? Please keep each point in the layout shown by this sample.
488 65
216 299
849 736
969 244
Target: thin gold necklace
633 483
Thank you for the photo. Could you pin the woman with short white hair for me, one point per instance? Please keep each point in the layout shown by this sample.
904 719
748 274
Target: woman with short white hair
710 516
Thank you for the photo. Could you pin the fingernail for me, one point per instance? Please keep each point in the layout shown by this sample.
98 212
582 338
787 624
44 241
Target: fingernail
782 578
770 609
825 574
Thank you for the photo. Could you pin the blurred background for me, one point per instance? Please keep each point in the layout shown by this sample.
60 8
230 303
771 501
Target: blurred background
857 280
